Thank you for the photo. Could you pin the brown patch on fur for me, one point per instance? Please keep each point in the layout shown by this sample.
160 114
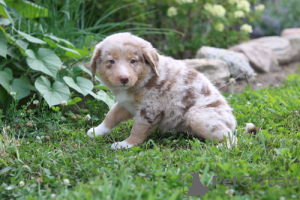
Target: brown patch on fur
205 90
229 125
215 104
190 76
188 99
105 77
152 82
143 114
114 54
170 85
161 84
137 96
130 55
215 128
172 82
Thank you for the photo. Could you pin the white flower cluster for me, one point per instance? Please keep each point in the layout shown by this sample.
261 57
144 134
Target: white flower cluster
185 1
66 182
64 103
172 11
36 102
216 9
87 117
246 28
232 1
239 14
219 27
243 5
260 7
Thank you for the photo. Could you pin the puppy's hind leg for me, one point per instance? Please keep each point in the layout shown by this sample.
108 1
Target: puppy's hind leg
115 116
210 125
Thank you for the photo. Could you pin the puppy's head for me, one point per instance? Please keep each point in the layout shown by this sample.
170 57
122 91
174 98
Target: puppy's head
124 60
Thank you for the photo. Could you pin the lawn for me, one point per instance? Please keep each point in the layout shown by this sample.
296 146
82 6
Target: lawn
46 155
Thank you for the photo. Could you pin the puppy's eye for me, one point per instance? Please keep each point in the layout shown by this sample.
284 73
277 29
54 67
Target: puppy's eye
112 61
132 61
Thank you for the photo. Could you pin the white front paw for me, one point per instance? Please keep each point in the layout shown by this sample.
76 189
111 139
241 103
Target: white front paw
91 132
121 145
99 130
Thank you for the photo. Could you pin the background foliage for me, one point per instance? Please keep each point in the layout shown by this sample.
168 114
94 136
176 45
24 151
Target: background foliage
195 25
43 43
278 15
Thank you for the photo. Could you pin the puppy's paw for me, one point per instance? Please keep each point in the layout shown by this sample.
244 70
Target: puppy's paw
99 130
91 133
121 145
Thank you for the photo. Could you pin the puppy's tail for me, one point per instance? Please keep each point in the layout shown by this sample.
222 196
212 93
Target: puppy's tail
251 129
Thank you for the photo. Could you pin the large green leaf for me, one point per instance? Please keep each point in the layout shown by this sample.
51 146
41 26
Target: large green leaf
28 9
82 85
5 79
21 86
22 45
69 44
5 21
31 38
2 3
45 61
3 44
83 52
71 51
53 94
101 95
3 10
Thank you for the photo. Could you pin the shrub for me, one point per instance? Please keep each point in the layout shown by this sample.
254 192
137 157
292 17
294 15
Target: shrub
34 60
196 23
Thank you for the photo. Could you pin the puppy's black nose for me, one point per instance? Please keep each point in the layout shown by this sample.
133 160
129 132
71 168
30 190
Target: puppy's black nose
124 79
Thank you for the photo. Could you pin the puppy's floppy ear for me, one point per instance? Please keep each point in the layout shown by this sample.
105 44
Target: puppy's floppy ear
96 56
151 57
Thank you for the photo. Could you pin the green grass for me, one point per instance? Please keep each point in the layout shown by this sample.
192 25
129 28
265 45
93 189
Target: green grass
35 166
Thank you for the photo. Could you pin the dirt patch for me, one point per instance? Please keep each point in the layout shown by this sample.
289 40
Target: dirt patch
265 80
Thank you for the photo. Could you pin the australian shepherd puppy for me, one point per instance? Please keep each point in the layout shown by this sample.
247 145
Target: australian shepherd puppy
158 92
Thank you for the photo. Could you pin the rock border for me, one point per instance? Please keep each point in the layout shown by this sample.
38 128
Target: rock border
264 56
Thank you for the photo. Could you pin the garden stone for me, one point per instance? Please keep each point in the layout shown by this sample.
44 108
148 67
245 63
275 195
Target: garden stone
290 31
237 63
261 57
280 46
295 43
215 70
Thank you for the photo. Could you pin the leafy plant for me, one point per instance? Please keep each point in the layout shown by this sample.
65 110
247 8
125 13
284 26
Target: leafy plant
39 62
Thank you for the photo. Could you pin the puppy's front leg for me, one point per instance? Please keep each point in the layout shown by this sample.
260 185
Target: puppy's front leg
115 116
139 133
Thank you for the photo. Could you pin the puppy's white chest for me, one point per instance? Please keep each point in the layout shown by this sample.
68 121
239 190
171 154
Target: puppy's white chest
125 99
